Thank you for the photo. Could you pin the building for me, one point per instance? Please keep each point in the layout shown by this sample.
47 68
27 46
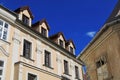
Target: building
102 55
27 52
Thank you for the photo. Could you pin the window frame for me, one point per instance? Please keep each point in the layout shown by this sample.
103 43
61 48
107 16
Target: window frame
25 19
3 69
47 59
66 67
76 72
61 43
71 49
5 30
43 31
32 75
30 49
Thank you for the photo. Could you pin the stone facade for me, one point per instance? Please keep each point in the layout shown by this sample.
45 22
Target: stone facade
28 53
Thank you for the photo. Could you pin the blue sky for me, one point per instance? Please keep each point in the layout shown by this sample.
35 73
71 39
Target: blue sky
79 20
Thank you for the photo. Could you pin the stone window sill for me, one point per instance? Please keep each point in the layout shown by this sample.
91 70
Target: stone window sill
27 58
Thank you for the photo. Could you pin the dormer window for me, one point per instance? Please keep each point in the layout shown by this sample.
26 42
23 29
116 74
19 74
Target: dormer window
71 49
61 43
43 31
25 19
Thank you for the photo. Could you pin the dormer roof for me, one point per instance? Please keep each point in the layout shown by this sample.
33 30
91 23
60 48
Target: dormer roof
55 36
24 8
70 41
40 22
115 13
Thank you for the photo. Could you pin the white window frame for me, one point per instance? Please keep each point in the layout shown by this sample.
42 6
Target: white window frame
3 30
4 69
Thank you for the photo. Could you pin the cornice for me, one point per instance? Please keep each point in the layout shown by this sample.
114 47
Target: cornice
99 33
97 40
38 69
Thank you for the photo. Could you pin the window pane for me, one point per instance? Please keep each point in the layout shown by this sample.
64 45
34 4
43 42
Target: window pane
5 35
98 64
66 67
25 20
47 59
27 49
1 63
1 28
6 25
76 72
1 72
43 32
5 31
71 49
1 23
32 77
61 43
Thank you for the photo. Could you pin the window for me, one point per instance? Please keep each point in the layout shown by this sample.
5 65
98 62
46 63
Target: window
61 42
27 49
32 77
3 30
66 68
76 72
1 69
102 70
101 62
71 49
44 32
25 19
47 59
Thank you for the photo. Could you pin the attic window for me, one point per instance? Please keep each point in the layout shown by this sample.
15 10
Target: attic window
25 19
44 32
61 42
71 49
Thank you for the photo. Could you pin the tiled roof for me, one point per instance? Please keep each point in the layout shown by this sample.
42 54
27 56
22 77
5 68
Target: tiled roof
55 36
114 15
24 8
40 22
69 41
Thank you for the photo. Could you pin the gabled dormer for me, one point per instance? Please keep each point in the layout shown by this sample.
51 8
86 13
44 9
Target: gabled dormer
59 39
69 45
25 15
42 27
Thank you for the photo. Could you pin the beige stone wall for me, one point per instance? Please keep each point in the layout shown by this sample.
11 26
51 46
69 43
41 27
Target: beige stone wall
13 47
108 45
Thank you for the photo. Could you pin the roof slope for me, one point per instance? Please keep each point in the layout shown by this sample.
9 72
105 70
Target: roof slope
40 22
115 13
24 8
55 36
